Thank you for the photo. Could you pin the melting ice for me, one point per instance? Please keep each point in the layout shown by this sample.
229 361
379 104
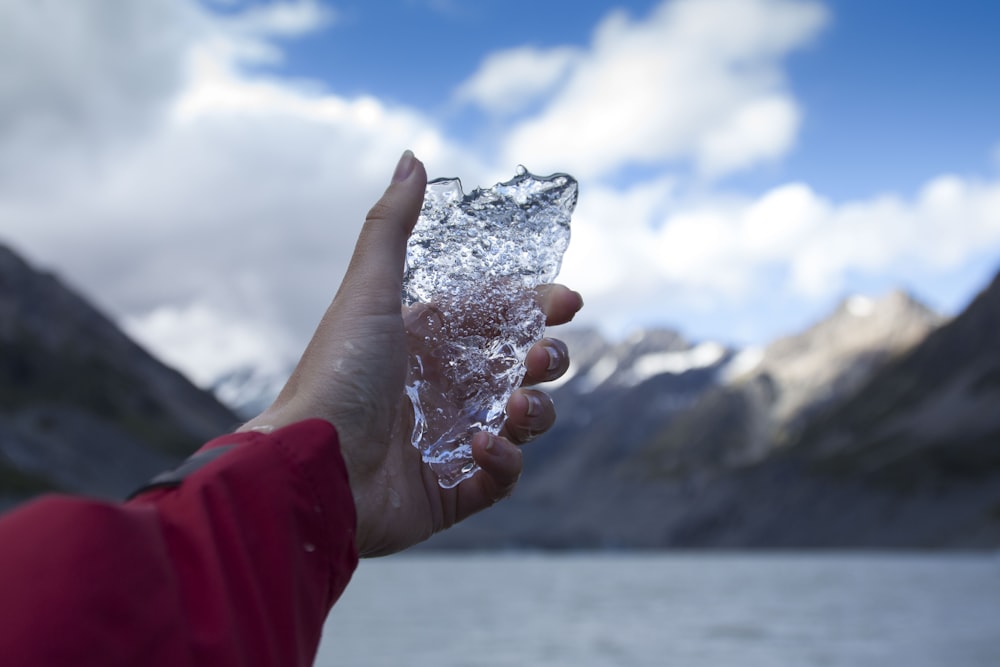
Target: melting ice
471 315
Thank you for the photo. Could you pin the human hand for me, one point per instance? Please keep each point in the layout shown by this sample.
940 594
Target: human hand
352 375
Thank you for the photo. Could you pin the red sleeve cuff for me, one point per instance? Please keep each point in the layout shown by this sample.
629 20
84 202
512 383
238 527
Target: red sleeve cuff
268 530
237 565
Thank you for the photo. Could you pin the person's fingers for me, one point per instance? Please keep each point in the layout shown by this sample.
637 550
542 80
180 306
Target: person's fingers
375 274
547 360
529 414
500 467
559 303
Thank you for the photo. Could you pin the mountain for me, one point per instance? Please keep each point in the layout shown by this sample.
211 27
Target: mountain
247 390
769 398
82 407
747 451
936 410
615 399
872 428
911 459
875 427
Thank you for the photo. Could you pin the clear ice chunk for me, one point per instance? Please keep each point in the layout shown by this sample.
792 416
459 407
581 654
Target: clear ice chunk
472 265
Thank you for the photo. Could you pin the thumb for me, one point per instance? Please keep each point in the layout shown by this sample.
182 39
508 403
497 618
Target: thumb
375 274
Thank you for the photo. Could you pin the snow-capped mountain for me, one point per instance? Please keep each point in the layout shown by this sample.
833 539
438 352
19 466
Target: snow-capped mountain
647 422
767 396
876 427
686 404
834 357
597 366
665 441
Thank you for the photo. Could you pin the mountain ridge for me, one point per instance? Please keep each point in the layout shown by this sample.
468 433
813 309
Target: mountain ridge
718 491
83 407
875 427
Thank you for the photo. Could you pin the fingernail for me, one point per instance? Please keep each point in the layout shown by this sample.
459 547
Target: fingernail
404 167
494 448
580 299
554 358
534 406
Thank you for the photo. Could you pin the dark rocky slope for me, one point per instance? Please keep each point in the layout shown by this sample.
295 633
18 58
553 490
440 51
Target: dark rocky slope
82 407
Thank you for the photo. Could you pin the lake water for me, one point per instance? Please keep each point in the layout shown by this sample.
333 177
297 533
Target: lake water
687 609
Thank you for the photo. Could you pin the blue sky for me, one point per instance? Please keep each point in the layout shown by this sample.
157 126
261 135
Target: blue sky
200 169
894 91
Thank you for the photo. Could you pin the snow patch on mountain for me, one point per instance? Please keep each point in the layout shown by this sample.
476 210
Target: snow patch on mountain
599 373
860 306
743 363
703 355
248 390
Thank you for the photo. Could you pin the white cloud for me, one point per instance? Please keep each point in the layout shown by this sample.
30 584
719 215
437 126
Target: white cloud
510 80
236 201
609 246
203 342
788 245
285 19
80 80
763 128
697 80
201 201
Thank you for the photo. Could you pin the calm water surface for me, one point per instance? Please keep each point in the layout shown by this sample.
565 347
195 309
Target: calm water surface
690 609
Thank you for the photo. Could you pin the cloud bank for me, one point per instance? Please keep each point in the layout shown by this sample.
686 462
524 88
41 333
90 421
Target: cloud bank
696 80
147 153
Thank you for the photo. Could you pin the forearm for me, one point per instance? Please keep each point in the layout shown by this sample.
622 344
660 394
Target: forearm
238 564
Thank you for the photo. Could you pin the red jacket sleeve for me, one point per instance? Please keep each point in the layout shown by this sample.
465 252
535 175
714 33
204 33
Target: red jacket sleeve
237 565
